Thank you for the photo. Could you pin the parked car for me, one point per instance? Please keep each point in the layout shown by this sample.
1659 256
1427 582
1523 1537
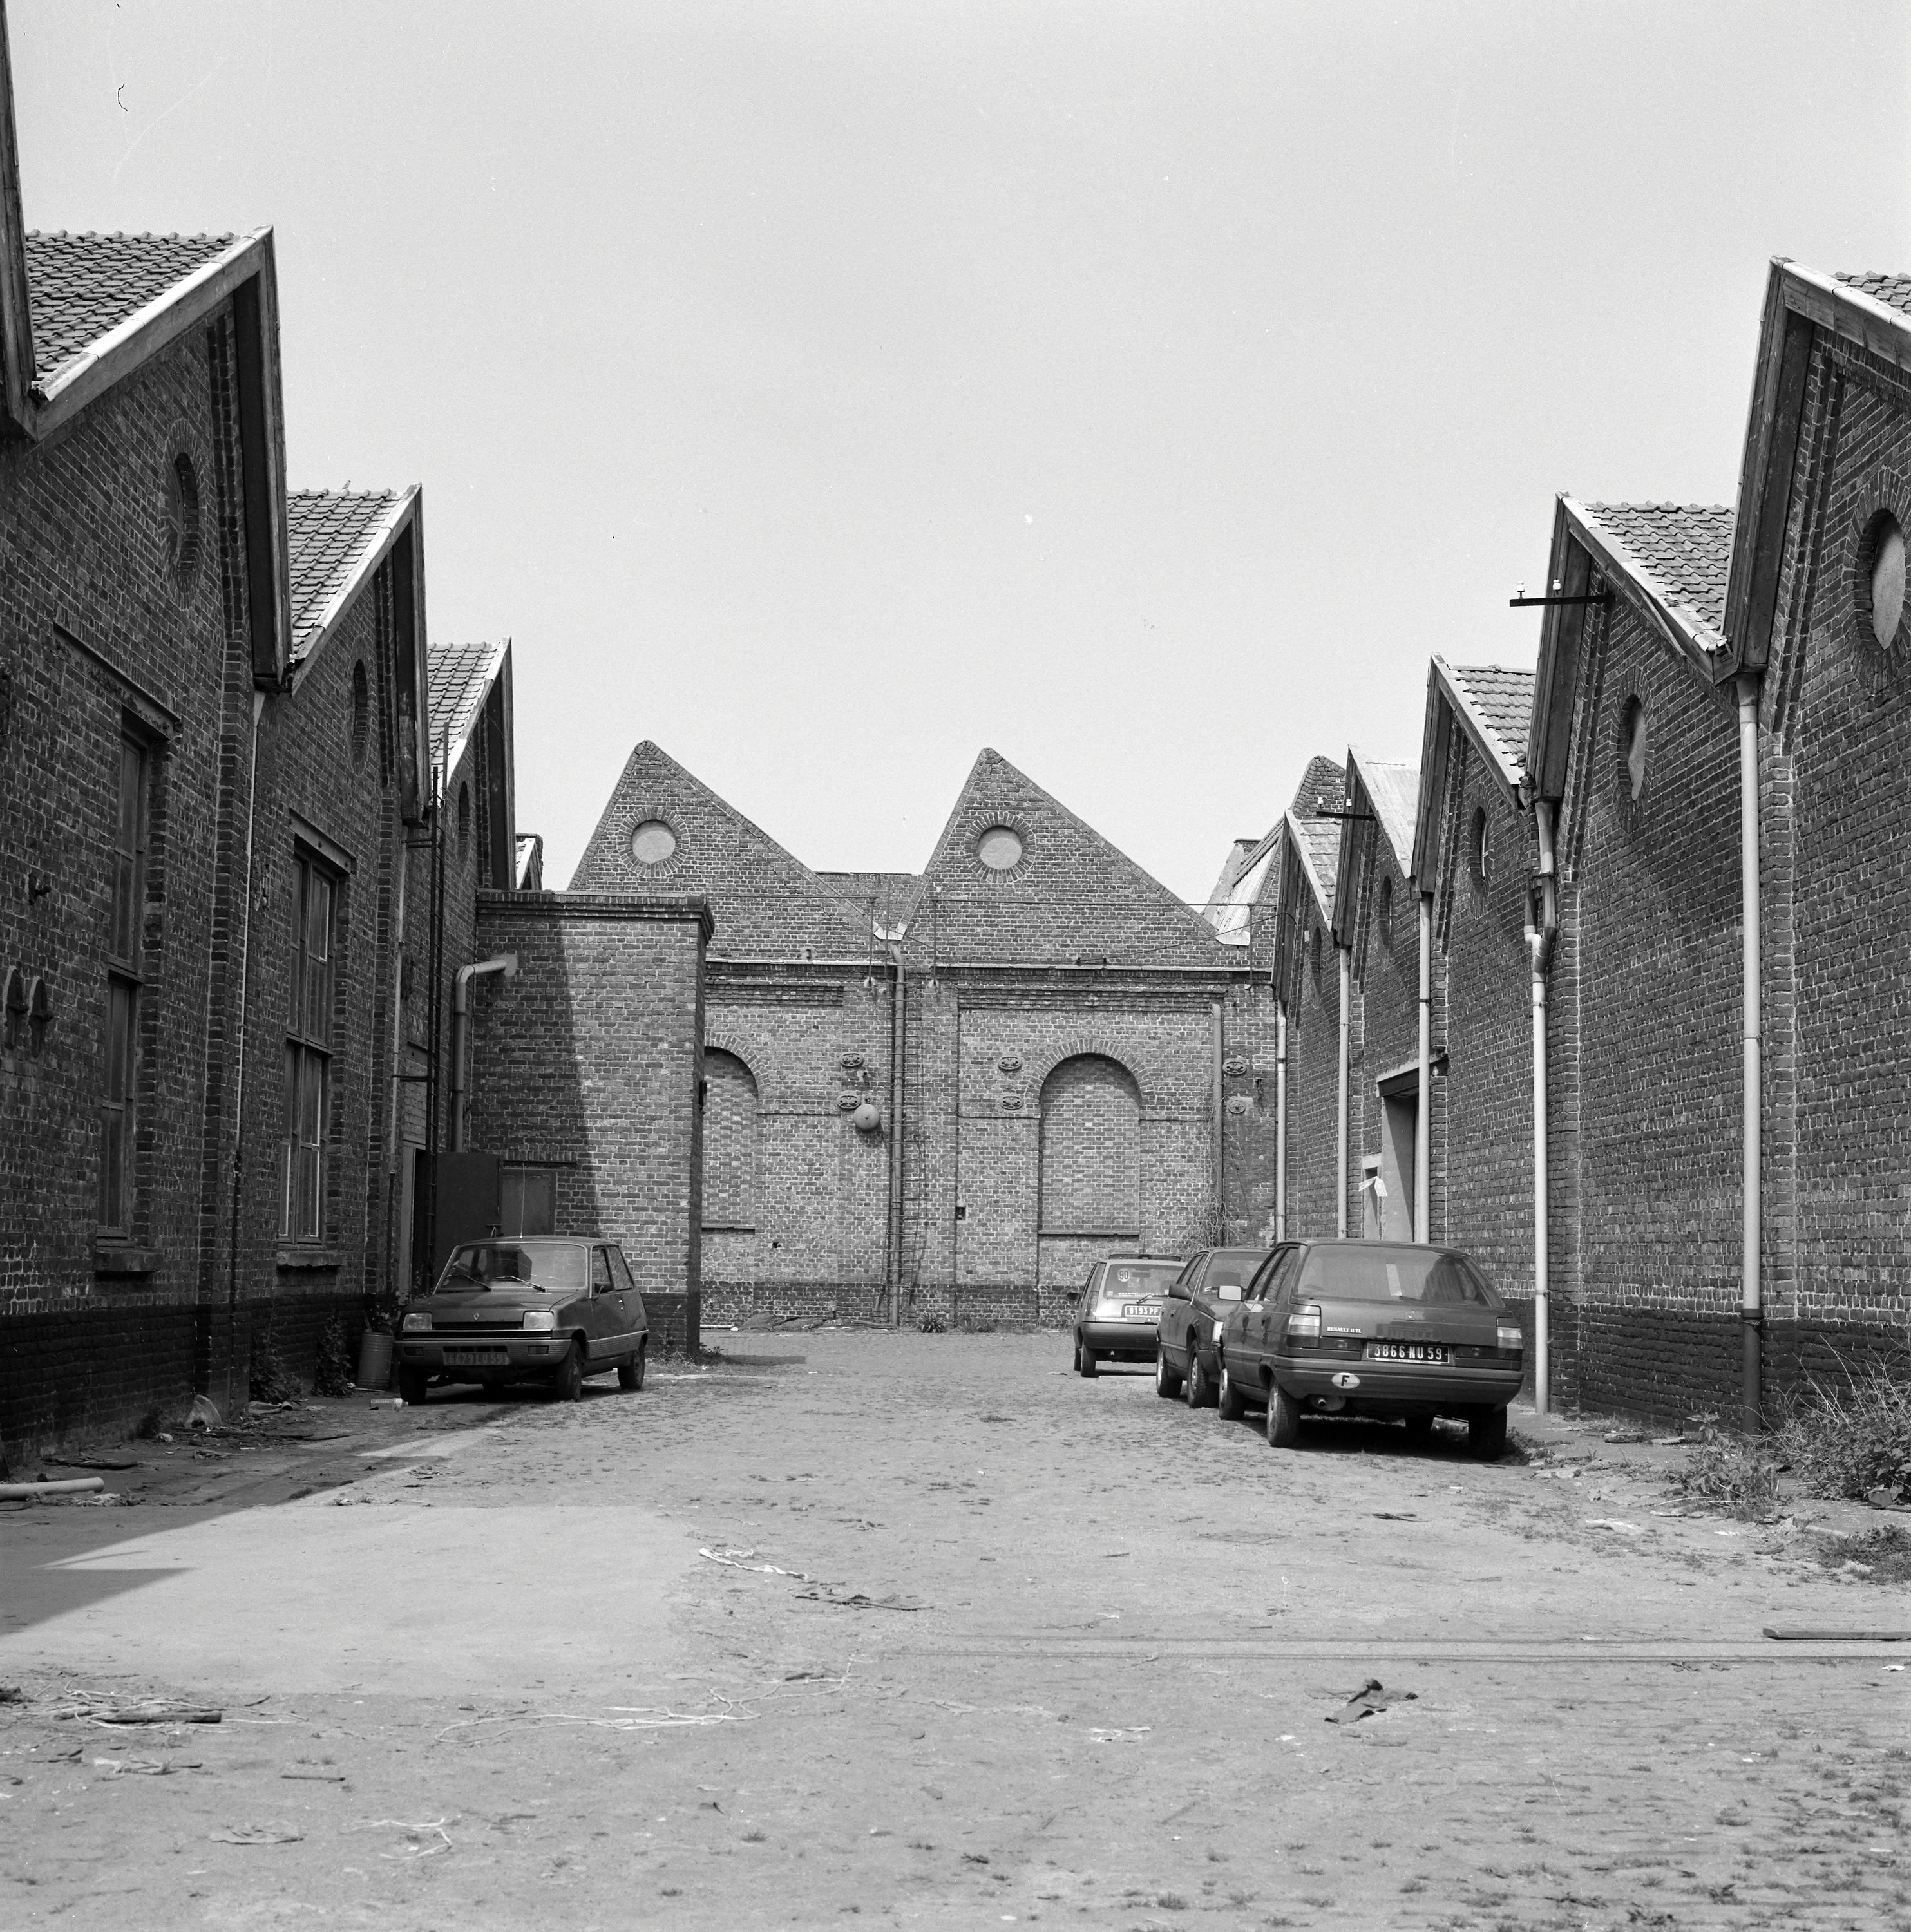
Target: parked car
1116 1307
1383 1328
1198 1301
528 1308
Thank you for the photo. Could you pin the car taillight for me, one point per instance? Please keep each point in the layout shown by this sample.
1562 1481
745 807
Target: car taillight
418 1324
1303 1324
1511 1340
544 1319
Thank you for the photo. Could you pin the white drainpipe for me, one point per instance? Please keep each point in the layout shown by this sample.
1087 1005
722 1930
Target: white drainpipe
1423 1139
1346 1048
1280 1122
1542 928
1751 1311
505 963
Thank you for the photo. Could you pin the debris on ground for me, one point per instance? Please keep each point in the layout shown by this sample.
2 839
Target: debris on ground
276 1833
733 1559
204 1414
1115 1734
1369 1701
151 1712
1624 1435
856 1600
93 1462
1614 1523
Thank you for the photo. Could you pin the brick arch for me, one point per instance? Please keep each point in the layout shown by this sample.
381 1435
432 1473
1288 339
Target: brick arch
731 1096
1090 1152
1092 1045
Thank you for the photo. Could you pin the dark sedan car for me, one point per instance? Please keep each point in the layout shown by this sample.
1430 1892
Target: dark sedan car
1378 1328
528 1308
1115 1309
1199 1302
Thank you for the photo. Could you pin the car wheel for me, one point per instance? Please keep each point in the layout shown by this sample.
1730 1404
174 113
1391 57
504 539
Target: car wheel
1084 1358
411 1384
568 1382
1283 1419
630 1374
1486 1433
1196 1390
1227 1398
1167 1379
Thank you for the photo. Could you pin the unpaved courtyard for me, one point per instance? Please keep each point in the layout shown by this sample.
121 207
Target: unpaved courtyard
926 1630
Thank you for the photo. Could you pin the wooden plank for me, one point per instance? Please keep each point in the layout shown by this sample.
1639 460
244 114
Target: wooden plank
1753 645
1799 1633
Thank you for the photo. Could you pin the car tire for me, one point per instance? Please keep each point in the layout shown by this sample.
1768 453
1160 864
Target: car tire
1486 1434
1084 1358
630 1374
568 1382
411 1384
1167 1377
1227 1404
1420 1427
1196 1390
1283 1419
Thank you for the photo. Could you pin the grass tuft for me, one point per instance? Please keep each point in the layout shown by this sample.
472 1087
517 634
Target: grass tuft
1853 1441
1740 1476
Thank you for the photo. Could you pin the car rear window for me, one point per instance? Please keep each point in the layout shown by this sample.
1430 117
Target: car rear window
1132 1281
1394 1274
1232 1268
549 1264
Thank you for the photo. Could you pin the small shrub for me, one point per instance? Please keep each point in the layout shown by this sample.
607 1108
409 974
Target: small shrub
1742 1476
1884 1553
334 1372
148 1425
979 1324
933 1324
270 1381
1849 1441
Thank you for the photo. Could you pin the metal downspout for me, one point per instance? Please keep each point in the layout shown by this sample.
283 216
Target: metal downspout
1542 927
505 963
1751 1310
1423 1138
1346 1058
1217 1181
897 1034
238 1052
1280 1121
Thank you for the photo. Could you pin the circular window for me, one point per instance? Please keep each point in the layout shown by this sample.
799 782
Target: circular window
999 848
652 842
1632 748
360 712
181 518
1885 579
1480 851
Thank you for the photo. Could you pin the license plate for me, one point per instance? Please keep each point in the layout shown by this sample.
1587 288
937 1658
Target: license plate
475 1358
1141 1311
1407 1351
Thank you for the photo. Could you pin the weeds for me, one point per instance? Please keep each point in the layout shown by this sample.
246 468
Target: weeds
333 1374
933 1324
1740 1476
271 1381
1852 1442
1882 1556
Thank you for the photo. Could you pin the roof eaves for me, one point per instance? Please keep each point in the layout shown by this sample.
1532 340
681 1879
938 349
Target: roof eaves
1478 729
1681 628
385 534
493 669
1298 839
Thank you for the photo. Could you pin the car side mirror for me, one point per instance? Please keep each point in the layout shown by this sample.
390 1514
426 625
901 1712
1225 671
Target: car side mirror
1227 1291
1176 1292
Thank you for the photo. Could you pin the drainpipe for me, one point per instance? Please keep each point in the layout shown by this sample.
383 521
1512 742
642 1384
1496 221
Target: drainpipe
896 1037
1423 1138
1218 1180
1542 928
1280 1121
238 1060
1751 1310
505 963
1346 1056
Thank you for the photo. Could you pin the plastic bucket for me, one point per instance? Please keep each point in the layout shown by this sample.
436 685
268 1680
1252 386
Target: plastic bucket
375 1361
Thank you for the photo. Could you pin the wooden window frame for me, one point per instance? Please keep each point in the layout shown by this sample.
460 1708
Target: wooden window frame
311 1043
119 1088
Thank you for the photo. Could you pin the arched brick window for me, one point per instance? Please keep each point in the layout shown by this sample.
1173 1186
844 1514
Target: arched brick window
1091 1149
729 1141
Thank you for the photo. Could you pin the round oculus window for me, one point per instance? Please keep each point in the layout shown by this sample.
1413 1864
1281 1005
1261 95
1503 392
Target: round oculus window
999 848
652 842
1887 584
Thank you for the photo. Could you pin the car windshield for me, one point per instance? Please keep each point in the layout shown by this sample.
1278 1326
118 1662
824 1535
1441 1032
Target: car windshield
1231 1267
1423 1275
1130 1281
490 1264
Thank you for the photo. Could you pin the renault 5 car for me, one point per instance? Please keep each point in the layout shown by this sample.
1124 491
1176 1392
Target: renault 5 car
1199 1299
1380 1328
530 1308
1117 1307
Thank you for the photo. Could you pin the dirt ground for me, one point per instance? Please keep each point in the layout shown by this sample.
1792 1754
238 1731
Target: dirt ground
926 1630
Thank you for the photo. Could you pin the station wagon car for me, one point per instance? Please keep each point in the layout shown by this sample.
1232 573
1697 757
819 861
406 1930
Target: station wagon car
1199 1302
1115 1309
1381 1328
526 1308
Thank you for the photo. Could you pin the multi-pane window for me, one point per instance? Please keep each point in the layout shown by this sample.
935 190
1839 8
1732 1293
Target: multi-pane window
308 1051
118 1087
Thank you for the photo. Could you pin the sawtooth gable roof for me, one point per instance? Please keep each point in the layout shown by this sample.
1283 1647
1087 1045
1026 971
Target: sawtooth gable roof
1492 705
766 903
1390 792
1072 897
81 287
335 540
461 680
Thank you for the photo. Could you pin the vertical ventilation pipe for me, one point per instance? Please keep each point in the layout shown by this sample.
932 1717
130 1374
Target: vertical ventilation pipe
1542 928
1423 1138
897 1036
1280 1121
1346 1055
505 963
1751 1309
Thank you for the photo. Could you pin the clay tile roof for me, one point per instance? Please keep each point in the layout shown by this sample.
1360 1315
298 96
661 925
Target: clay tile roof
328 532
1504 699
1685 548
1894 291
459 677
80 286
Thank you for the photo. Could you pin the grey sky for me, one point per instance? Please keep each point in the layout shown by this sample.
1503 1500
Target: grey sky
826 391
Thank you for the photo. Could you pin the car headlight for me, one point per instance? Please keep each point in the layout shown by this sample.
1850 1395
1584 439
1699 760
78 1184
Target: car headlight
542 1319
1512 1339
418 1324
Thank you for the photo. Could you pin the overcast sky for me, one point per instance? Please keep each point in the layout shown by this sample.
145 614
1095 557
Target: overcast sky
828 391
